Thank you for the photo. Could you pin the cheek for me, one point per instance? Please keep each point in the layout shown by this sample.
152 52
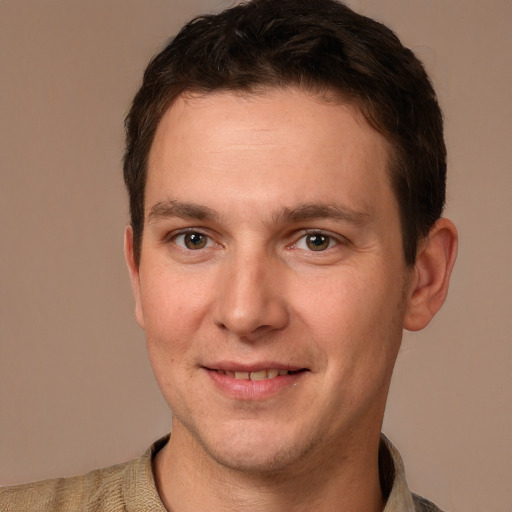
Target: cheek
174 308
171 296
355 318
349 297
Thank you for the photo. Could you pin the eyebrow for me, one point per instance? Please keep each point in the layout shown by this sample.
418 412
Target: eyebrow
302 212
311 211
191 211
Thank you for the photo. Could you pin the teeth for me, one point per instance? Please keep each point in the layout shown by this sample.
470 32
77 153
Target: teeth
259 375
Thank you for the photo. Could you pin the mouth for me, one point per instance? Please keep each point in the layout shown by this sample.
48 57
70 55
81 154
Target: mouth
259 375
254 382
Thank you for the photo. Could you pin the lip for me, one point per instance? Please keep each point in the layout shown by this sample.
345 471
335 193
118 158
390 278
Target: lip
254 367
249 390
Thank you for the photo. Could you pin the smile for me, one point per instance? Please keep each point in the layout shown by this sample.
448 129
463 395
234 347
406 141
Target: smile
255 382
255 376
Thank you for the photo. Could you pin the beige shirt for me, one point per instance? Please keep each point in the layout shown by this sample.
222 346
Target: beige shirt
130 487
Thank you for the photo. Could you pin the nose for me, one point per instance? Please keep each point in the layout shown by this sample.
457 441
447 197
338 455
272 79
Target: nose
251 300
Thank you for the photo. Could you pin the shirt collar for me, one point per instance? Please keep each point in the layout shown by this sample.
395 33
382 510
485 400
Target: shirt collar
141 494
392 478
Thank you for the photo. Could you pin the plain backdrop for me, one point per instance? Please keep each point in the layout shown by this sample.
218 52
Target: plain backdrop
76 389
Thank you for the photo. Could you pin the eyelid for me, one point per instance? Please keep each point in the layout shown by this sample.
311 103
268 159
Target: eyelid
173 235
298 236
334 237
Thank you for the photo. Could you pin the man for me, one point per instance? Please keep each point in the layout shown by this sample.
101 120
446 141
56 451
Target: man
286 170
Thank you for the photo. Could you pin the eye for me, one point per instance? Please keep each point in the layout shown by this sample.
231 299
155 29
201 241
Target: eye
316 242
192 240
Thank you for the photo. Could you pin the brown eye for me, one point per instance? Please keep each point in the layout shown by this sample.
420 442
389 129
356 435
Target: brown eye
318 242
192 241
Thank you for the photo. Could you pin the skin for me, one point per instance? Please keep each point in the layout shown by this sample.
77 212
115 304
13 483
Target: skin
272 240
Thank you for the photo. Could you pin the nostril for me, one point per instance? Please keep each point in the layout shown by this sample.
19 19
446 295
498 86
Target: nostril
249 303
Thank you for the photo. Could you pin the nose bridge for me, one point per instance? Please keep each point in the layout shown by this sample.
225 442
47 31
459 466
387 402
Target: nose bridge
251 301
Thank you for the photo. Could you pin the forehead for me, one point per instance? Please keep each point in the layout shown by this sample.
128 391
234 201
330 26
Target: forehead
288 140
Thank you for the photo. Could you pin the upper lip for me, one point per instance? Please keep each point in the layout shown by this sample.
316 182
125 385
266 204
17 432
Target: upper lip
253 367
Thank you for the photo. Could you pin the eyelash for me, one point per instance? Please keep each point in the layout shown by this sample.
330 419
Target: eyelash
191 231
332 240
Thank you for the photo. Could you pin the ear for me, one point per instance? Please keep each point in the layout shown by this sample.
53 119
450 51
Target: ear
133 270
432 271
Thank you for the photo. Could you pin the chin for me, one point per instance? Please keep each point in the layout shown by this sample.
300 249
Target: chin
249 461
256 452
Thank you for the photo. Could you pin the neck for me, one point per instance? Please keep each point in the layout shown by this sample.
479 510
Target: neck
189 480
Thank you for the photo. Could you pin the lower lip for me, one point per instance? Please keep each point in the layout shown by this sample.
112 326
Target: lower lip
246 389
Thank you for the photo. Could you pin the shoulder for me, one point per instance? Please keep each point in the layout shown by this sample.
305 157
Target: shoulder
127 487
423 505
96 489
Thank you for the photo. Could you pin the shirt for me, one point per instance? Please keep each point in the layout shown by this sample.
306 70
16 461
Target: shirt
130 487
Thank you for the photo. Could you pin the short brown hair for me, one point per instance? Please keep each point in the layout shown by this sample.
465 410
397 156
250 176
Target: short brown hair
320 46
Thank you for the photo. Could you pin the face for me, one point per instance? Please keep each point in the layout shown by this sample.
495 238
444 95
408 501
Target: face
272 285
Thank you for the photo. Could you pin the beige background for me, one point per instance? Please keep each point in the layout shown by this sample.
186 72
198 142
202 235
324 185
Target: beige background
76 390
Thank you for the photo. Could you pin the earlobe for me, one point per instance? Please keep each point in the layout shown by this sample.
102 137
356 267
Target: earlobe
433 268
133 269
